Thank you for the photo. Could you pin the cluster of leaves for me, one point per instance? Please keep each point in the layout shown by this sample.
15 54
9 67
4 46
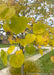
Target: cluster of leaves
29 38
12 24
15 60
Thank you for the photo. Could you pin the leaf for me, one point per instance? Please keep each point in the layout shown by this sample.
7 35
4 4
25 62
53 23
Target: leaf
51 42
3 14
18 24
10 13
39 39
17 40
7 12
1 37
39 46
6 27
30 49
31 19
38 28
12 42
23 42
2 7
51 48
16 61
18 52
4 57
28 39
41 51
51 30
9 38
10 49
29 27
52 59
42 40
0 25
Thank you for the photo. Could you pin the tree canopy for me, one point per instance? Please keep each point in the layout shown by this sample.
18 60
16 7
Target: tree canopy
28 32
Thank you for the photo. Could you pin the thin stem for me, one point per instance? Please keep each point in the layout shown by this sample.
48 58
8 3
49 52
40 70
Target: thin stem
21 47
22 69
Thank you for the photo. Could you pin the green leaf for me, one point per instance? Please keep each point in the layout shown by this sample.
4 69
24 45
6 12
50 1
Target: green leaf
4 57
18 24
17 61
30 49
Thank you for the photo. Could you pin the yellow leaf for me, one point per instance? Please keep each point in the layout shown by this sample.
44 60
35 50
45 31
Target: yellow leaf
52 58
41 51
11 41
42 40
17 40
29 27
6 27
23 42
39 46
0 25
1 38
10 49
18 52
10 38
51 48
28 39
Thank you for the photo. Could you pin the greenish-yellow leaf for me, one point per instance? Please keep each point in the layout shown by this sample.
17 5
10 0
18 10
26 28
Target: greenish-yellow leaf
38 28
6 27
18 24
17 61
6 12
4 57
